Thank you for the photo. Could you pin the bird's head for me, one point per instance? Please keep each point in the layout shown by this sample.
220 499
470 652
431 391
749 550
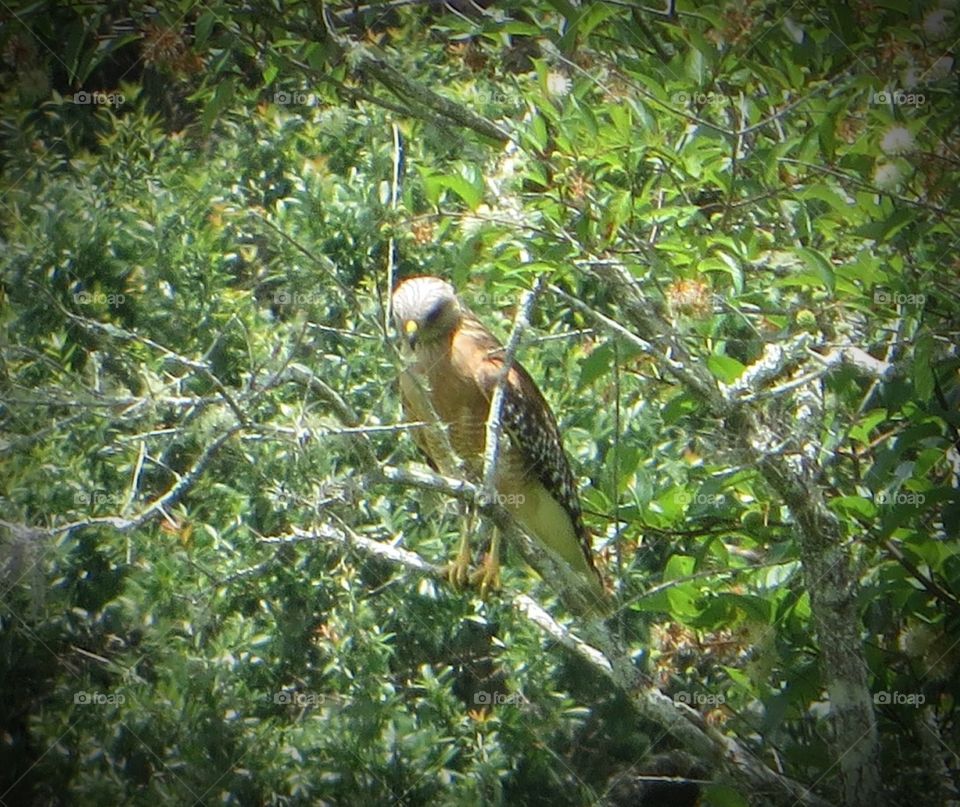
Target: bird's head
425 310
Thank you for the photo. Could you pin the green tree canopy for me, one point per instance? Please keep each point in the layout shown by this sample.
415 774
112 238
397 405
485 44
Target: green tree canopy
220 553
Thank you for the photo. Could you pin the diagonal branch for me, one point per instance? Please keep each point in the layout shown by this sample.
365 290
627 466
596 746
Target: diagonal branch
408 91
158 505
828 567
680 720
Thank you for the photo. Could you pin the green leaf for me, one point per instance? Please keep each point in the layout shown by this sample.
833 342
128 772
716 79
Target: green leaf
727 264
466 190
674 502
757 609
521 29
201 31
683 596
706 49
587 117
823 193
778 576
679 566
76 36
622 121
537 132
855 505
887 228
677 407
536 172
819 265
725 368
826 134
318 55
595 365
863 429
695 67
220 100
581 23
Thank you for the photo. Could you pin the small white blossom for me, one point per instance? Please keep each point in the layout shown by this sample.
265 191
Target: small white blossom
886 176
897 140
557 84
936 25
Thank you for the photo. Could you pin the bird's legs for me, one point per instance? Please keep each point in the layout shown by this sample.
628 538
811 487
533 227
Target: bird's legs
488 575
458 570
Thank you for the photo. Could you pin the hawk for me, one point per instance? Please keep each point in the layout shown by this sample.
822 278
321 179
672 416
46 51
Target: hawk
455 362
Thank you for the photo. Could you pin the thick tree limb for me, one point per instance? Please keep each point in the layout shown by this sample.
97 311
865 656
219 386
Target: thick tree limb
574 592
828 567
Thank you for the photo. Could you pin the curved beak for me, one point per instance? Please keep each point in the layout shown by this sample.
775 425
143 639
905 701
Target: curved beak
410 329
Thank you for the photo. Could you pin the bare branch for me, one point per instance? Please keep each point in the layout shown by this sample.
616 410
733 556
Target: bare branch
775 359
677 718
493 427
859 360
388 552
179 488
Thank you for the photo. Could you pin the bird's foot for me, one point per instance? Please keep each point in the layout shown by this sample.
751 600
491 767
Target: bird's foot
458 570
487 577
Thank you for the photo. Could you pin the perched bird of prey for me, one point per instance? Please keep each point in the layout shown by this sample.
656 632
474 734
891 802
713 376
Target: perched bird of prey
455 362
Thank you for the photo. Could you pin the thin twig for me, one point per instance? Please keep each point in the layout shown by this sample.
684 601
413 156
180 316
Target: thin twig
178 489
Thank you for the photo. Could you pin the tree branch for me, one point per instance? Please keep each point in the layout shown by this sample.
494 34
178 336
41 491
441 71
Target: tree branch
679 719
493 426
827 565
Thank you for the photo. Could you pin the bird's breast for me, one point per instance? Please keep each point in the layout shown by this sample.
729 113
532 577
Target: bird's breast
449 372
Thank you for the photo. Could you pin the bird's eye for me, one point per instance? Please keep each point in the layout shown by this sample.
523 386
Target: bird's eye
434 315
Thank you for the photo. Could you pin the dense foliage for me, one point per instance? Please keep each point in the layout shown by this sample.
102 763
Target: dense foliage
197 390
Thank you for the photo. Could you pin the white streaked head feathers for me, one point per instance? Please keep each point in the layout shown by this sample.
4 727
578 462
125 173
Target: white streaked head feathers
425 308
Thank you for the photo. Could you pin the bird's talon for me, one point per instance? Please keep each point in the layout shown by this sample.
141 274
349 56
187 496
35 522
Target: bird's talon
487 577
458 573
